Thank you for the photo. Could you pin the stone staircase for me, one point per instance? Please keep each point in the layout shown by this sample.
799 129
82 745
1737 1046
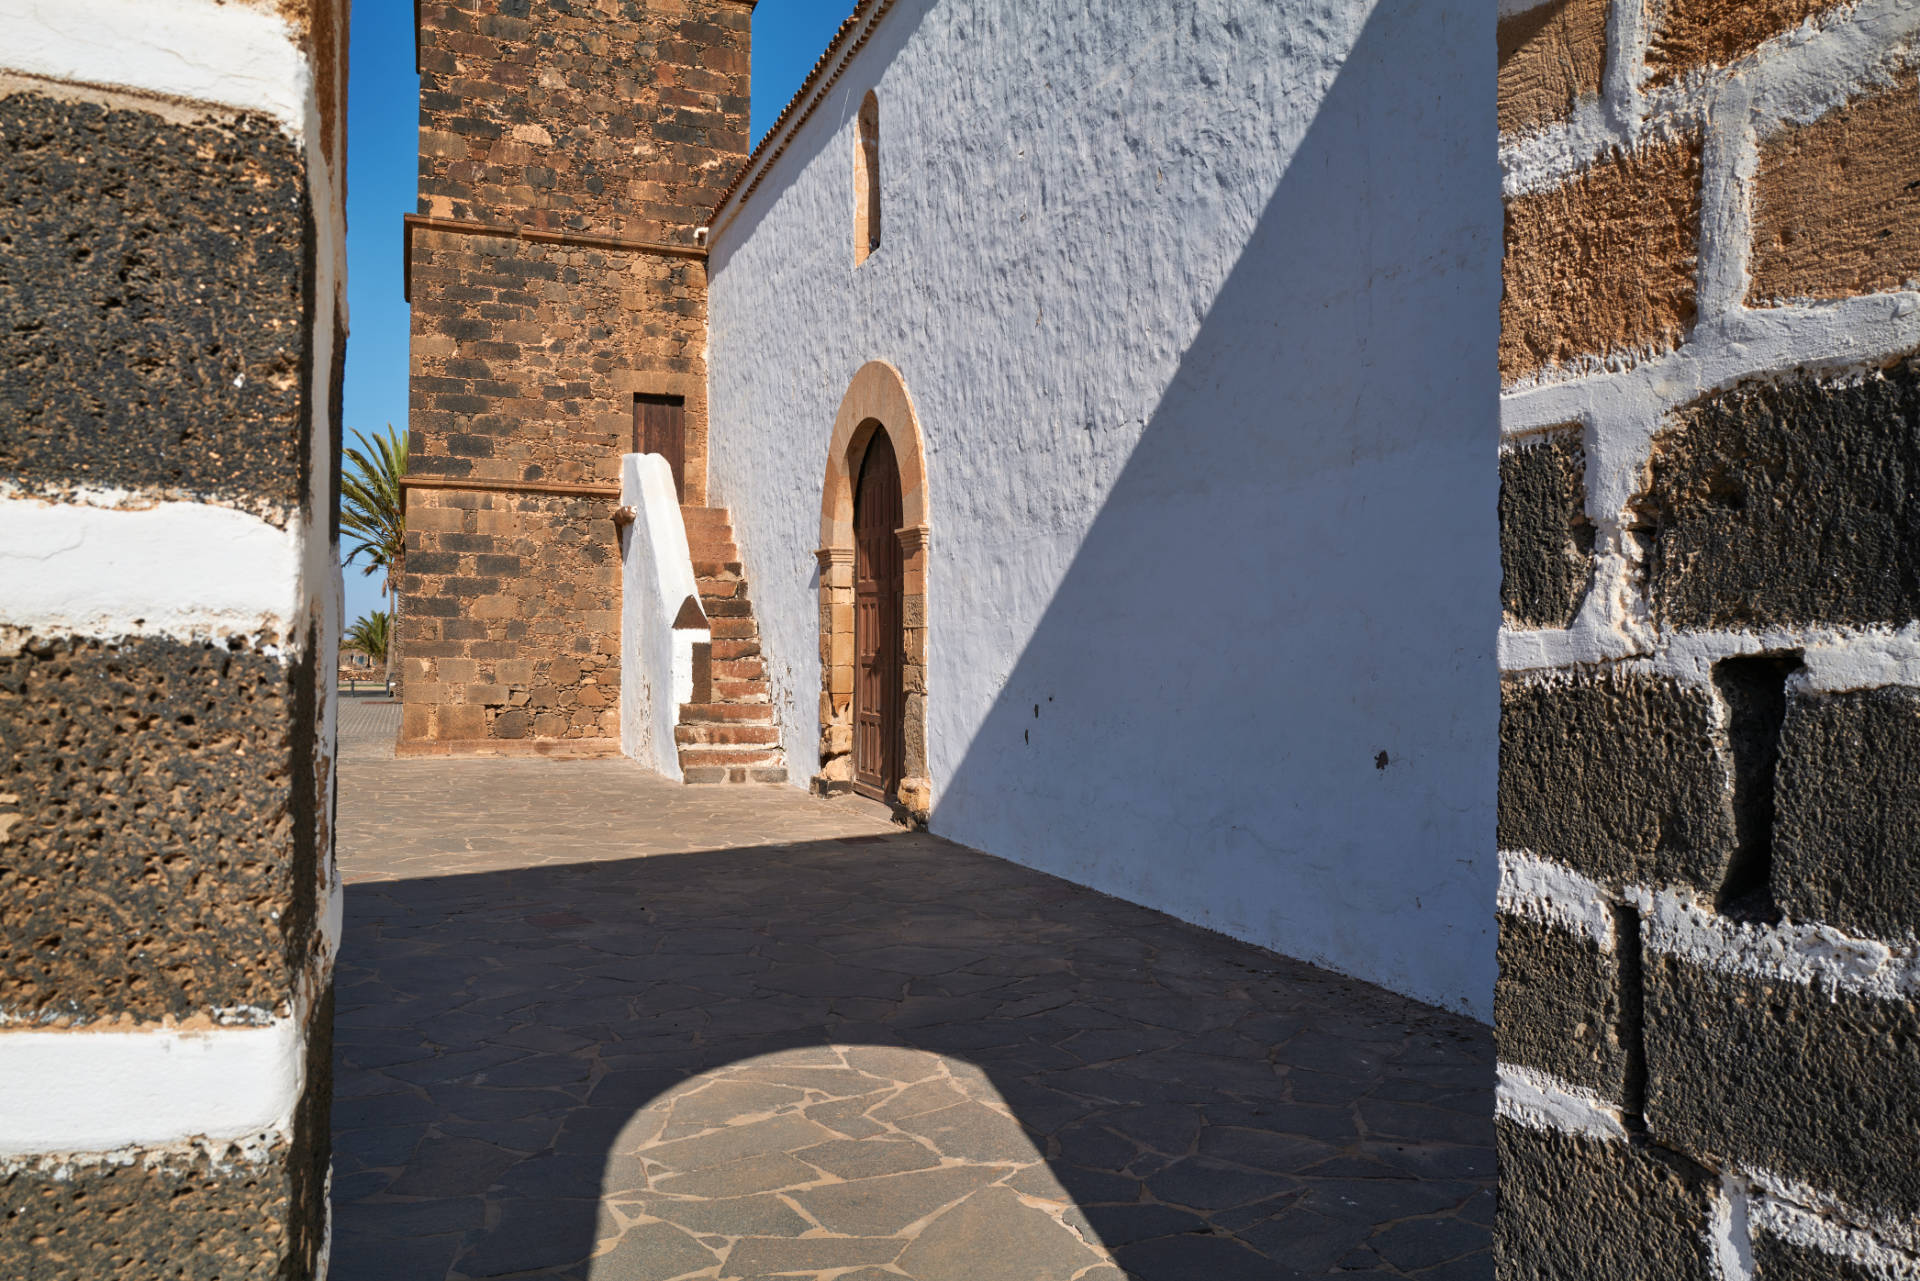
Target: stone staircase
726 734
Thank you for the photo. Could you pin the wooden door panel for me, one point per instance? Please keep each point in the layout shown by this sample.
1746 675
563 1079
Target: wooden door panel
660 427
878 704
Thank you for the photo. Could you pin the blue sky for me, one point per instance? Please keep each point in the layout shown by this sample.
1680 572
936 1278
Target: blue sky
382 137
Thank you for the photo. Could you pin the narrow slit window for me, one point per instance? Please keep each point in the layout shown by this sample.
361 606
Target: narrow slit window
866 181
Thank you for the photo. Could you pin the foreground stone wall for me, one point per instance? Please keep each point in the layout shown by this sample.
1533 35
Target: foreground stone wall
566 160
1708 1011
171 331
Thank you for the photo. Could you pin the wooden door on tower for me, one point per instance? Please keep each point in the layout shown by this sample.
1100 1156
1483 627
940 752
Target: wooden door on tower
879 721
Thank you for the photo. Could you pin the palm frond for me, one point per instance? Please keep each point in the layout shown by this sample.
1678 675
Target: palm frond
370 511
370 634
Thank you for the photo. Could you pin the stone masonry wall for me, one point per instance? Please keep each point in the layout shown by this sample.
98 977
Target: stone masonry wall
171 322
1708 1009
567 155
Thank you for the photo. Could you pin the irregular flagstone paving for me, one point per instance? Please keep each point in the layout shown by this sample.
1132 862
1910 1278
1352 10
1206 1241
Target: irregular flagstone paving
594 1025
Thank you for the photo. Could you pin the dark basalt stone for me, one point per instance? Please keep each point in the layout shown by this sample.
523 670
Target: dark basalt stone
1577 1207
1617 775
1814 1084
1847 841
1557 1007
1546 541
155 300
1788 504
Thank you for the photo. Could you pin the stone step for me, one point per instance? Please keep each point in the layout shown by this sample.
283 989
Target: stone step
724 650
726 607
732 693
721 589
734 629
739 670
705 517
704 568
707 775
736 713
728 754
708 735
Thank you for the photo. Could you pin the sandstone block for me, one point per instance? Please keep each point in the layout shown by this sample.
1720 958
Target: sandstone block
1550 57
461 721
1692 34
1837 202
1602 265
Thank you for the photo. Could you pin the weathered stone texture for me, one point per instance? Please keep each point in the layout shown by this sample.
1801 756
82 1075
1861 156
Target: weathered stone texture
1557 1005
1788 503
164 858
152 294
1573 1207
1603 265
1846 849
212 1216
1546 540
625 118
1689 34
513 623
526 357
1617 775
1550 57
1807 1082
1777 1260
1837 202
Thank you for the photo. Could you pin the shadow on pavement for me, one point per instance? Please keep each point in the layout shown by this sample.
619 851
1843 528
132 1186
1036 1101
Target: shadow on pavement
878 1053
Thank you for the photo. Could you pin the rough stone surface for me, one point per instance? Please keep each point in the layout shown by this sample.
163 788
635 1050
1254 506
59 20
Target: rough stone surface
1546 540
626 119
1781 1076
1551 56
584 1011
1617 775
166 796
512 630
1778 1260
1603 265
1846 846
1690 34
1837 202
208 1216
1788 503
152 291
1557 1005
1574 1207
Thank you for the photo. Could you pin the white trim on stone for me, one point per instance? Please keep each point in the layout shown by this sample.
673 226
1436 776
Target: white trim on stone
1730 1231
233 55
1674 923
1887 1244
1542 1101
1537 887
184 570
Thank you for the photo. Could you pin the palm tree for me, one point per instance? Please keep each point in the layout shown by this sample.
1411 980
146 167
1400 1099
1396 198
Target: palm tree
370 634
372 515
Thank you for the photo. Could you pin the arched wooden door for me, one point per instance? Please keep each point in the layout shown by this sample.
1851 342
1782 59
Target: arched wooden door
879 720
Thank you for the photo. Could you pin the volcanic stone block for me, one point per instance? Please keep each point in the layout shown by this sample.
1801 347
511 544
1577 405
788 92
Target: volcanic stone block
1551 56
164 861
1778 1260
1699 33
1557 1005
152 331
1847 843
1617 775
1837 204
1788 504
1602 265
211 1216
1575 1207
1811 1083
1546 541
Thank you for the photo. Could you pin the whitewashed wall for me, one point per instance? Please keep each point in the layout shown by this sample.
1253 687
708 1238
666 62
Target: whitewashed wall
656 579
1197 301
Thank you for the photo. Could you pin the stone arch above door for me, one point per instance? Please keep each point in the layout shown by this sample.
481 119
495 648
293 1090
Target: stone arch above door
877 398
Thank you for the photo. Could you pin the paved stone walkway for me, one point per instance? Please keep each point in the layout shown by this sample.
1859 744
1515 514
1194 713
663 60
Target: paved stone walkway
593 1025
